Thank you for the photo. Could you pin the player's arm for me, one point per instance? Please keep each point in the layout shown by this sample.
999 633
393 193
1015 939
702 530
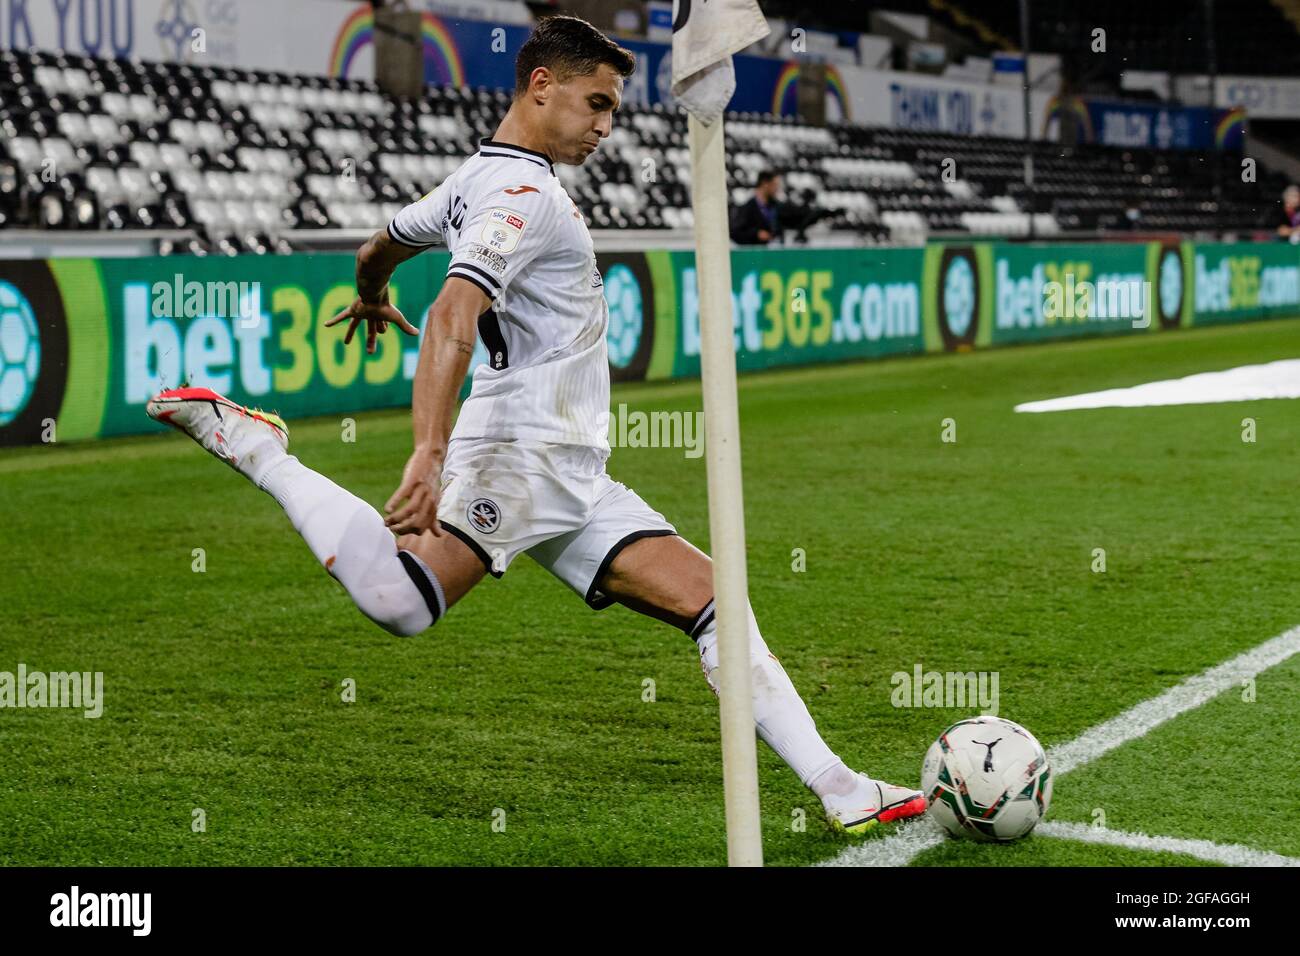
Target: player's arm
376 261
449 333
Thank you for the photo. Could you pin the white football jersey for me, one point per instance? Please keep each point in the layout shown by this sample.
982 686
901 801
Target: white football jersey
514 232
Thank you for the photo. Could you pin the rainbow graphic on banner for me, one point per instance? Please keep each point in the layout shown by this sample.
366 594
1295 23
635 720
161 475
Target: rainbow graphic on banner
785 97
1059 105
1230 130
442 63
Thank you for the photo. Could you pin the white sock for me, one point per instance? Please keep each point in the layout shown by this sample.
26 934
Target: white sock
838 781
348 537
782 718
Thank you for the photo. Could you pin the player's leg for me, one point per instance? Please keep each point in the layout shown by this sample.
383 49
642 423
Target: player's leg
661 576
670 579
403 586
627 552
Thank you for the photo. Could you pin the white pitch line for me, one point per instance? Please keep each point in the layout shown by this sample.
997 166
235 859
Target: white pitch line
1227 854
911 839
908 840
1190 694
1248 383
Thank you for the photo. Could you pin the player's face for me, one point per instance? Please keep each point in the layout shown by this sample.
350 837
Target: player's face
584 113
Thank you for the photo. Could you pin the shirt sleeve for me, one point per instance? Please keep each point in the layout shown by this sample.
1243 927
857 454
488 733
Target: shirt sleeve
502 235
420 224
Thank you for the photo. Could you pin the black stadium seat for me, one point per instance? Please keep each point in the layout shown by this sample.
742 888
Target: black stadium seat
247 158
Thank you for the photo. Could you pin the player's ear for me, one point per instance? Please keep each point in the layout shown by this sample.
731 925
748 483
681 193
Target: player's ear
541 84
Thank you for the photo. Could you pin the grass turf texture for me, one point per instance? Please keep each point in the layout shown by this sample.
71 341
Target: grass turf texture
223 688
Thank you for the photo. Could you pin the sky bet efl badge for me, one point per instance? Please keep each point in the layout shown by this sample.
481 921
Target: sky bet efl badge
503 229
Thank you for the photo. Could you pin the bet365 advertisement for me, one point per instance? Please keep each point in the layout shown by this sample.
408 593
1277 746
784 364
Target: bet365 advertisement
85 342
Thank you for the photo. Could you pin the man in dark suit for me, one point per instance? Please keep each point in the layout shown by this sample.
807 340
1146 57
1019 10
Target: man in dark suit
1288 226
757 222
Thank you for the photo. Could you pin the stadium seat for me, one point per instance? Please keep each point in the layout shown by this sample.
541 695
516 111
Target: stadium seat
247 157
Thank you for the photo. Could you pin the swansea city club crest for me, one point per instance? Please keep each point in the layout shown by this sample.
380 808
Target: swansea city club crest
483 515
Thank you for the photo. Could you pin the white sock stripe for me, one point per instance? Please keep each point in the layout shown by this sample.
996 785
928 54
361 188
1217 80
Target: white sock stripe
701 621
433 581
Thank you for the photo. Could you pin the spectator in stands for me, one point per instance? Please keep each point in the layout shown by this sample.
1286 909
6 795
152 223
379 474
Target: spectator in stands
1289 227
1132 217
757 222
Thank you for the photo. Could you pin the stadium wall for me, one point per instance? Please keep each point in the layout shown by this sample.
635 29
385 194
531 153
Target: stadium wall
84 342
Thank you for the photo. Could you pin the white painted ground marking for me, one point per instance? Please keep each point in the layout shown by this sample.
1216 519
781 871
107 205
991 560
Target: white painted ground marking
1247 383
908 840
1192 693
1227 854
911 839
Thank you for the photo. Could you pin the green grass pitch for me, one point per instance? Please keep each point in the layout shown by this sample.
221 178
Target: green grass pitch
223 688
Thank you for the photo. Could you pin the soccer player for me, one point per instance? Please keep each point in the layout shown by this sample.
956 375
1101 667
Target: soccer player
523 471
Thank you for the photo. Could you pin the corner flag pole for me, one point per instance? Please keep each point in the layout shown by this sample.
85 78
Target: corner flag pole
726 503
705 35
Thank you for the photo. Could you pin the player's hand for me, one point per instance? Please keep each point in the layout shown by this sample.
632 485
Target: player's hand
420 488
376 315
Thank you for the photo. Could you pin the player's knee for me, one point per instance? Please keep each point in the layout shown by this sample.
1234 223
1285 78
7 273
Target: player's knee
405 625
410 603
400 610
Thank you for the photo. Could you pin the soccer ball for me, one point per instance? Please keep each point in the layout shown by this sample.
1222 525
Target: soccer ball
987 779
20 352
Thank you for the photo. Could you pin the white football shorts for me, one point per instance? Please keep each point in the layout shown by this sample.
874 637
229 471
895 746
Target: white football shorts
555 502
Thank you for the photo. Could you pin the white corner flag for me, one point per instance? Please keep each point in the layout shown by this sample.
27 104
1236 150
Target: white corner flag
705 35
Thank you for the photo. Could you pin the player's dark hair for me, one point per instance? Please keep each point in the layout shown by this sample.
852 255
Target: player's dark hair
766 176
568 46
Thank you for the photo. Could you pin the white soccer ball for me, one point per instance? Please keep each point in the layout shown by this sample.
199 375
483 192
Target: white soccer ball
20 352
987 779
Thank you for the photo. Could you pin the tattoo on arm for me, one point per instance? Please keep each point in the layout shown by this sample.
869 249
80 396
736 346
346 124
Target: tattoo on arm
465 348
